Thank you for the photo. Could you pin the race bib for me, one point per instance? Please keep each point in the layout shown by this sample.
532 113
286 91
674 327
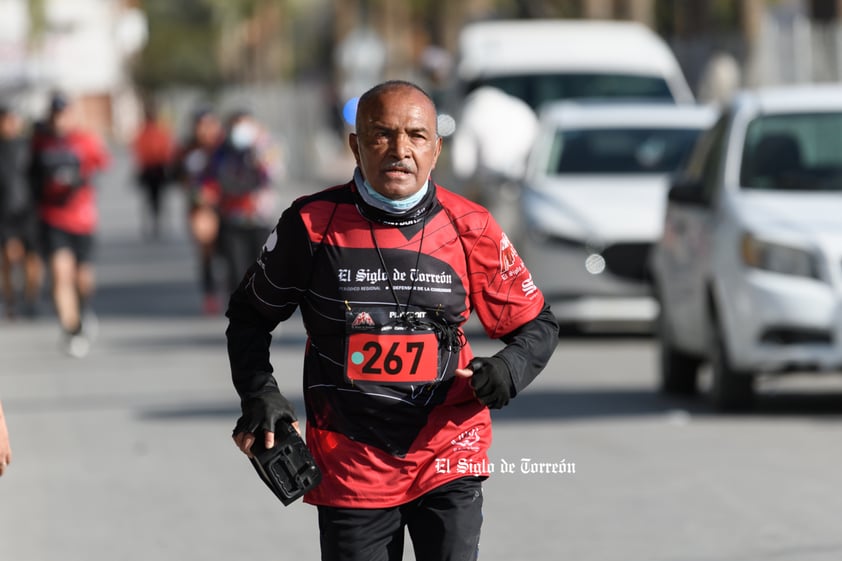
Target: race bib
392 356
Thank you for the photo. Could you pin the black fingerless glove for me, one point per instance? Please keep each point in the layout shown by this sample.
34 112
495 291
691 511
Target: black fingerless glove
492 381
263 411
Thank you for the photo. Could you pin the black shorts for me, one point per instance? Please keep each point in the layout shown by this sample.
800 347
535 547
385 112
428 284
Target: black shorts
21 226
444 525
153 177
54 239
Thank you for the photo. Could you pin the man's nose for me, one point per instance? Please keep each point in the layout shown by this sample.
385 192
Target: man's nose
400 145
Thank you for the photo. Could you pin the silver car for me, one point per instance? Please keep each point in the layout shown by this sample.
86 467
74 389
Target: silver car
592 205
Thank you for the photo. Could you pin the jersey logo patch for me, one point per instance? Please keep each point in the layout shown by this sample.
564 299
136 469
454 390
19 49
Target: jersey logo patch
508 254
529 287
363 319
271 242
467 441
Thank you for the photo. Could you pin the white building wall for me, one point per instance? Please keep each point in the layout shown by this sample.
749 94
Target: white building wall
80 52
83 50
14 27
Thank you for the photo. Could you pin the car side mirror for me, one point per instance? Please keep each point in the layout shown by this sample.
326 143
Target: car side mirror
687 191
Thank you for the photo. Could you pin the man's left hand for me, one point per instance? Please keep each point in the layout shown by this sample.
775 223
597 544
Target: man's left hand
490 379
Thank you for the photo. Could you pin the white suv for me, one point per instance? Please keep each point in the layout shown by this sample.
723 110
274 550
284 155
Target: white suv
748 270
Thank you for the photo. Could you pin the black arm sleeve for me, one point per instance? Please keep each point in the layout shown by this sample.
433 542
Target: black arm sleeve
249 335
529 348
259 304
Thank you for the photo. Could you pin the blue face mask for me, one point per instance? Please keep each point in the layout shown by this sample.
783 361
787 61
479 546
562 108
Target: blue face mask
384 203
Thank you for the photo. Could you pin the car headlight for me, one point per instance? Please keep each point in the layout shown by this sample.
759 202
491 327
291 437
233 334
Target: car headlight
778 258
545 219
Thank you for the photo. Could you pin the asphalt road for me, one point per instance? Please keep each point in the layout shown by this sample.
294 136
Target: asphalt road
126 456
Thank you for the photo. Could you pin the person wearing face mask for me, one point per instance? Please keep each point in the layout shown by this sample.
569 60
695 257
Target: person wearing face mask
385 270
241 176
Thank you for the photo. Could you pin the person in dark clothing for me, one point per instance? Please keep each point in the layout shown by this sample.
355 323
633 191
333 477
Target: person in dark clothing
153 149
240 174
385 270
18 222
189 169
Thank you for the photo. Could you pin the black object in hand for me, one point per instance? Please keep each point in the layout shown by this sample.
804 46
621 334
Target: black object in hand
288 468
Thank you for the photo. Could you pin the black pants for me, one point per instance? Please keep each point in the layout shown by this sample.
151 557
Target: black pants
241 245
444 525
153 180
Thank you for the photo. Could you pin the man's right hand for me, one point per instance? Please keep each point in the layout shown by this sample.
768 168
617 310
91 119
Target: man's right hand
260 415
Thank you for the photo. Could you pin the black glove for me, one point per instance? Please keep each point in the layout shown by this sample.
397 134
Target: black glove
492 381
263 411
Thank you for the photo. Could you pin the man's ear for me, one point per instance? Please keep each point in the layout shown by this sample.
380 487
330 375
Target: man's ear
438 151
353 142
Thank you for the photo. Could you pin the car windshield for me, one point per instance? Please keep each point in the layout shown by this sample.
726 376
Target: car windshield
537 89
626 151
793 152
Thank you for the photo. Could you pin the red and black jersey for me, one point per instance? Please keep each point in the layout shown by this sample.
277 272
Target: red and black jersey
238 182
383 300
61 169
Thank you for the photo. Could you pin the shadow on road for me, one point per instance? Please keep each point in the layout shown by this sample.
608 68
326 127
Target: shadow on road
573 405
146 280
579 405
184 340
229 409
148 299
636 402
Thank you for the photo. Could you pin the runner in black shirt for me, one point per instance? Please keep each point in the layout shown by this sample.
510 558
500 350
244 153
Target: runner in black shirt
18 221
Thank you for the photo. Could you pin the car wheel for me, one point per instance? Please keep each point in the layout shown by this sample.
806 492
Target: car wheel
679 370
730 389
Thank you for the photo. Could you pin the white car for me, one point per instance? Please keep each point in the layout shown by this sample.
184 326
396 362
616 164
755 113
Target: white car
592 205
749 267
541 60
508 69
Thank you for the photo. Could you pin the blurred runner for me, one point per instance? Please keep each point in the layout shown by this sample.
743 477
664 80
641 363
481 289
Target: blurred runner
5 448
64 160
153 151
190 164
18 223
491 144
241 172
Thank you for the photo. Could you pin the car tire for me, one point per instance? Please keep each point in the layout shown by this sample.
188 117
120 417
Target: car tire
679 371
730 389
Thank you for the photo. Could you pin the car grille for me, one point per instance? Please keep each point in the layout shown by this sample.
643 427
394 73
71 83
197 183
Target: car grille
795 335
628 260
